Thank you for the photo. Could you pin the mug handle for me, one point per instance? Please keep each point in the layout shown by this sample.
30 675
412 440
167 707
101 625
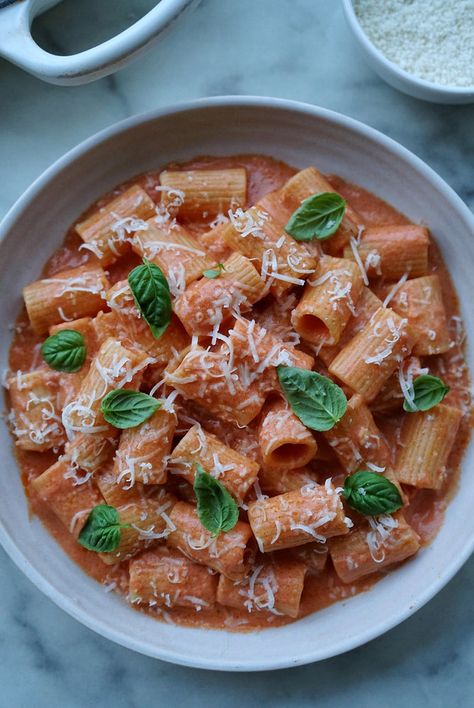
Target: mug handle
18 46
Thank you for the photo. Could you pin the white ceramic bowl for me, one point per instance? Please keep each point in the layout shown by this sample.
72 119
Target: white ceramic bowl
398 77
301 135
17 44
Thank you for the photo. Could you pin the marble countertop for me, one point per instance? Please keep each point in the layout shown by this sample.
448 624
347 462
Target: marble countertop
299 49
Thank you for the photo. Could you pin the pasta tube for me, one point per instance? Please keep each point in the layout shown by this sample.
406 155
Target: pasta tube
367 305
356 440
276 481
113 367
392 251
166 578
35 413
175 250
208 303
206 378
91 451
70 496
145 523
274 587
66 296
328 301
116 492
229 553
421 301
143 451
125 323
283 262
108 231
312 513
200 195
313 555
285 443
425 443
369 359
70 383
236 472
387 540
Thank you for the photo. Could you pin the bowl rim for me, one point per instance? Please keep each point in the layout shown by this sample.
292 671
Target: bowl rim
405 76
7 541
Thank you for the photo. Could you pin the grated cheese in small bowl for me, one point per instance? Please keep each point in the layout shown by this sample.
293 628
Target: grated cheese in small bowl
422 47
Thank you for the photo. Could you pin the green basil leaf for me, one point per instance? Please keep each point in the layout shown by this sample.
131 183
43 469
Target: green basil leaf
152 297
216 508
427 391
316 400
102 530
319 216
371 494
214 272
65 351
124 408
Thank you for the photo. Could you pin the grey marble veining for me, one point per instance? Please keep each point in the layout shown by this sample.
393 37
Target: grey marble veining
298 49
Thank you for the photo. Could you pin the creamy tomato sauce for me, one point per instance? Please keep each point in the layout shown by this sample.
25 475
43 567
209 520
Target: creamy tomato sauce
424 509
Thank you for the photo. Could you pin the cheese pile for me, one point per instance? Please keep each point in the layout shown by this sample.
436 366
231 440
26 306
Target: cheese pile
432 39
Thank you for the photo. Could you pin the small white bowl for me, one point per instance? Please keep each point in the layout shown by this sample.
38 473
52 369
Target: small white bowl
398 77
301 135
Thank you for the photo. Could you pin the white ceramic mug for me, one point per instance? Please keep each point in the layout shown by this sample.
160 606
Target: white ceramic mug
18 46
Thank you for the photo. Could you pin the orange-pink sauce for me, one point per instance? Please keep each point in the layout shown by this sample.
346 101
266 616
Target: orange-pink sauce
425 508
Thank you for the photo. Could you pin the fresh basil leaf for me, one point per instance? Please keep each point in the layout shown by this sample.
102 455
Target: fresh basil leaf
371 494
152 297
316 400
124 408
214 272
102 530
319 216
65 351
427 391
216 508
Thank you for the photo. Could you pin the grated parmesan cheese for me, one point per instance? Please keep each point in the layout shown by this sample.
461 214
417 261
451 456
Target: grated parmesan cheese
432 39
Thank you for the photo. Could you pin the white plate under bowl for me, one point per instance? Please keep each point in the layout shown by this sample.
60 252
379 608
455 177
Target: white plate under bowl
301 135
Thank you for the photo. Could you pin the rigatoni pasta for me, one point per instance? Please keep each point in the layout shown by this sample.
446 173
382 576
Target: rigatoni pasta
368 360
385 541
236 472
107 232
425 443
420 300
166 578
314 512
273 586
229 553
392 251
35 414
285 443
175 250
200 195
328 301
65 296
237 422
